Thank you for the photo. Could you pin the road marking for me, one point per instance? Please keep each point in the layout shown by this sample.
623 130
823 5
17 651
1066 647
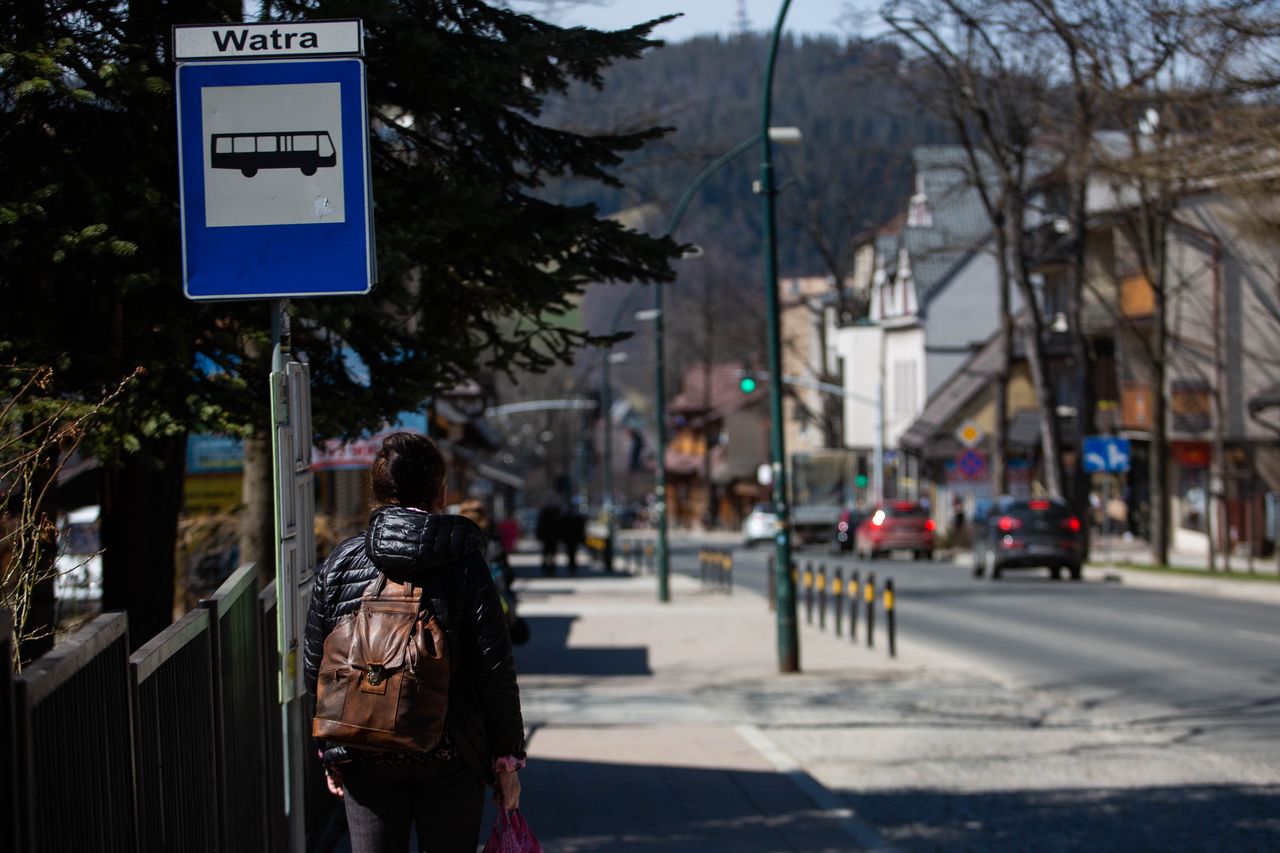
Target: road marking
1256 635
846 818
1180 624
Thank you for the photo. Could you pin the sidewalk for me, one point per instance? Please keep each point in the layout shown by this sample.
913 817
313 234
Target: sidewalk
1113 558
631 746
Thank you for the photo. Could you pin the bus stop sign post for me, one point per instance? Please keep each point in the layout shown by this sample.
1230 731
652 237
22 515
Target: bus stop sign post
275 200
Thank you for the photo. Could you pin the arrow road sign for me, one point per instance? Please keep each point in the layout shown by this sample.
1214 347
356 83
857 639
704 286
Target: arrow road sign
1106 454
274 170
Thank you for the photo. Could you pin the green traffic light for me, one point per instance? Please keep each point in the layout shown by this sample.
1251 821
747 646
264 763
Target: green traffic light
747 384
861 480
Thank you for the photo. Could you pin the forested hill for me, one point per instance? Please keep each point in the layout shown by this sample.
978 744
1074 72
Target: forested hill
850 172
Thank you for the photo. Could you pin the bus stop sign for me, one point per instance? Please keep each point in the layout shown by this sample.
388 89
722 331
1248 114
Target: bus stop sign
273 161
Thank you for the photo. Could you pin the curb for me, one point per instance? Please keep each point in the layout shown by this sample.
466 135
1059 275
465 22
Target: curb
845 817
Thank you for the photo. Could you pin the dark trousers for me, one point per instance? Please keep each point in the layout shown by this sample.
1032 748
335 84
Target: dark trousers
443 799
548 557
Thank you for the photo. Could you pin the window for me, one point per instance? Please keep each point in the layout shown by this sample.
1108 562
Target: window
222 145
267 143
304 142
242 144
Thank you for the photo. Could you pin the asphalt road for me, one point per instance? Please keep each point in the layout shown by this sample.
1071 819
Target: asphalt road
1210 665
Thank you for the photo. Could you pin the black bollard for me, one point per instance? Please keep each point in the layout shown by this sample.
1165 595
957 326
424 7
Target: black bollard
869 595
808 593
855 593
822 596
771 582
891 620
837 597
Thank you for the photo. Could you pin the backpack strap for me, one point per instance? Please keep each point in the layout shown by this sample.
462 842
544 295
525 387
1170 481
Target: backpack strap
377 588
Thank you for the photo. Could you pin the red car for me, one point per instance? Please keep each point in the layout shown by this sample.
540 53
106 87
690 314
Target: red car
896 525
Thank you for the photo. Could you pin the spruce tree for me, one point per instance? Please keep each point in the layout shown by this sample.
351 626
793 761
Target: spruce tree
474 267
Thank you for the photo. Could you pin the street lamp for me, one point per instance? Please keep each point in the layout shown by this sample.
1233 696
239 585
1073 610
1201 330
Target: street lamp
783 135
606 407
788 635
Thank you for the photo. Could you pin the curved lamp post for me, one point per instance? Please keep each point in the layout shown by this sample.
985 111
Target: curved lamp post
788 636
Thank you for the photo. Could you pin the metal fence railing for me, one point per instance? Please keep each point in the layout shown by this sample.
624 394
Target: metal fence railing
173 732
239 737
272 720
75 750
8 774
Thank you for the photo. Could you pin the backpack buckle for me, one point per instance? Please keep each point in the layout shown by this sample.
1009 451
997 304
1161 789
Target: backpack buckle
375 676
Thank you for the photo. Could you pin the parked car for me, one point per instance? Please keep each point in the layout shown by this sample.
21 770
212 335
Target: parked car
896 526
1023 534
760 525
847 528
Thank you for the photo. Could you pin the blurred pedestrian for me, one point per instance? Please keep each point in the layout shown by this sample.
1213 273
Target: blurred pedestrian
1117 516
573 533
441 790
509 534
548 533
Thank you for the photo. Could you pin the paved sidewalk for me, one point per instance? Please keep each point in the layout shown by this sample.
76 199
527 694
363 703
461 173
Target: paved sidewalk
626 753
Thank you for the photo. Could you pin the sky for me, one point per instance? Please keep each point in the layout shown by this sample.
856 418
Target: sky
701 17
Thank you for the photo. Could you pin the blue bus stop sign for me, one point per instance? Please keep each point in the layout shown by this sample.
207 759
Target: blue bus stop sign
274 171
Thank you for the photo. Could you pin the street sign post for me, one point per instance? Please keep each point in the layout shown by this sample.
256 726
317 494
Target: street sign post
273 161
273 169
1106 454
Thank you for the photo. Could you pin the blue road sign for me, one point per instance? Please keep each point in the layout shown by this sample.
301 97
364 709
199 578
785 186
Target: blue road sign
274 171
973 463
1106 454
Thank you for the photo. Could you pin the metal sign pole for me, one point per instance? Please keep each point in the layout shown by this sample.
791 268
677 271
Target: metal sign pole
273 165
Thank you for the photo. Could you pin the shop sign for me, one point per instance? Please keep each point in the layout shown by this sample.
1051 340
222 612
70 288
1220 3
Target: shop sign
1191 405
1191 454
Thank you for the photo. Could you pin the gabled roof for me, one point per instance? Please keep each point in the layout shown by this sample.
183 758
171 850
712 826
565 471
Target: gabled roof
959 221
725 396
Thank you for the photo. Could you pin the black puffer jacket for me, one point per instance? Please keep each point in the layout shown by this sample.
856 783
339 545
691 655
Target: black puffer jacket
444 555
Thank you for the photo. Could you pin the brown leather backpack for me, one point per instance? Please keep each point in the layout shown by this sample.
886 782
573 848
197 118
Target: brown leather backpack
384 678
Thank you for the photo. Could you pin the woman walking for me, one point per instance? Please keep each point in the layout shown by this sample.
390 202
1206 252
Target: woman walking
439 790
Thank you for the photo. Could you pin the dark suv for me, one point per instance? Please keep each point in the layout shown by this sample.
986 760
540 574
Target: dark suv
1023 534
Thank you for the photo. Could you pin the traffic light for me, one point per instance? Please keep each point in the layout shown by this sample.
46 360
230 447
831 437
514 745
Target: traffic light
861 478
746 379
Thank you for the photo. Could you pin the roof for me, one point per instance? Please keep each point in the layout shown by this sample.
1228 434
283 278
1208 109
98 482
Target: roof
1268 399
725 393
977 372
960 222
931 429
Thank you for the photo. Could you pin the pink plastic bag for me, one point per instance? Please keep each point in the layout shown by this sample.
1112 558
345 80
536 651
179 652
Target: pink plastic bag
511 835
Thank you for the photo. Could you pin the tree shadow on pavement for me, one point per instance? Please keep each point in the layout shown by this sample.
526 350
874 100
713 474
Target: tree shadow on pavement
1199 817
548 653
576 806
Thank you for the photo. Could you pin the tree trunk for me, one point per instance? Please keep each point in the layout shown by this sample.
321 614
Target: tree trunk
1000 431
257 514
1159 464
1037 364
141 499
1049 447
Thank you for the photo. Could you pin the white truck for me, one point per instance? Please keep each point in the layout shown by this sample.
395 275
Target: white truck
822 484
